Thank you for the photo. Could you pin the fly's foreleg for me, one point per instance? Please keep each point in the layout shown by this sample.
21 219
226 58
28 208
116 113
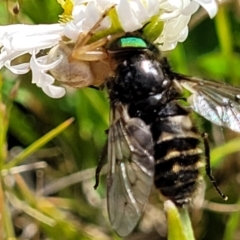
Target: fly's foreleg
101 163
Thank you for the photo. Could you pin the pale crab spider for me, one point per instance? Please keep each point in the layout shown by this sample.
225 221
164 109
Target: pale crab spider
83 64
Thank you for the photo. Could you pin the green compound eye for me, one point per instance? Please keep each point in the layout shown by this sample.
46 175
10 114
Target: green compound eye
127 43
134 42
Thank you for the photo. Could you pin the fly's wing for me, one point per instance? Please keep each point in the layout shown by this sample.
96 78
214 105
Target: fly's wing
217 102
131 163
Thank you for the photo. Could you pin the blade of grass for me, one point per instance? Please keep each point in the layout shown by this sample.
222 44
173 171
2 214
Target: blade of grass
38 144
218 153
224 31
232 226
3 127
31 211
8 224
179 224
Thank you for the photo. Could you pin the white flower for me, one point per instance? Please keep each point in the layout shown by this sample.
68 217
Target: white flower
18 40
176 17
78 18
84 17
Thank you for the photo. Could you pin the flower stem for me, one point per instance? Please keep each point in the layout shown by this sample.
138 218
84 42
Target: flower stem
224 31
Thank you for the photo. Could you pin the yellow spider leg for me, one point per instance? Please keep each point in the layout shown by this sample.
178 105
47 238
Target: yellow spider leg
83 39
90 52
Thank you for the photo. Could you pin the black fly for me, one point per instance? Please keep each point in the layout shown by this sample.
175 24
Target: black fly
151 137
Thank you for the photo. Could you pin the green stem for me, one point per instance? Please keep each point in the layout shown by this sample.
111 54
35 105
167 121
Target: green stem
224 31
38 144
3 126
179 223
9 230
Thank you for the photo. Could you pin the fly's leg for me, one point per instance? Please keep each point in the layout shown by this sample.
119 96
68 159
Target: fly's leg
208 166
101 163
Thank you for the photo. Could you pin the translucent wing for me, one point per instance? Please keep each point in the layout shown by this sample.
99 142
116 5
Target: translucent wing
217 102
131 163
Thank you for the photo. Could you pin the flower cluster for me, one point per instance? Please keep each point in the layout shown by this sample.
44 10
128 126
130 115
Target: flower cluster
79 17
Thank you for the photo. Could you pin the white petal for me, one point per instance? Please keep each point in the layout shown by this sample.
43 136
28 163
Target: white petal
139 10
43 64
210 6
9 29
9 56
78 13
153 7
105 4
178 4
44 80
36 71
54 91
183 34
169 15
18 69
190 9
84 18
76 2
19 36
91 16
72 31
20 43
167 46
126 16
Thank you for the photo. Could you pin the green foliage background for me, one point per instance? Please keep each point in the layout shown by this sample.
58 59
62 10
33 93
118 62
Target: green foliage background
57 201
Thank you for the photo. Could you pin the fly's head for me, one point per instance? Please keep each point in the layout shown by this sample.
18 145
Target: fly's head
138 74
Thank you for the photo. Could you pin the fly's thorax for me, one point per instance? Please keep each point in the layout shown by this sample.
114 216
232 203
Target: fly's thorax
137 77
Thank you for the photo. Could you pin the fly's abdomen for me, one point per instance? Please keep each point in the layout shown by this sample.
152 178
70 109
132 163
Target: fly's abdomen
178 159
